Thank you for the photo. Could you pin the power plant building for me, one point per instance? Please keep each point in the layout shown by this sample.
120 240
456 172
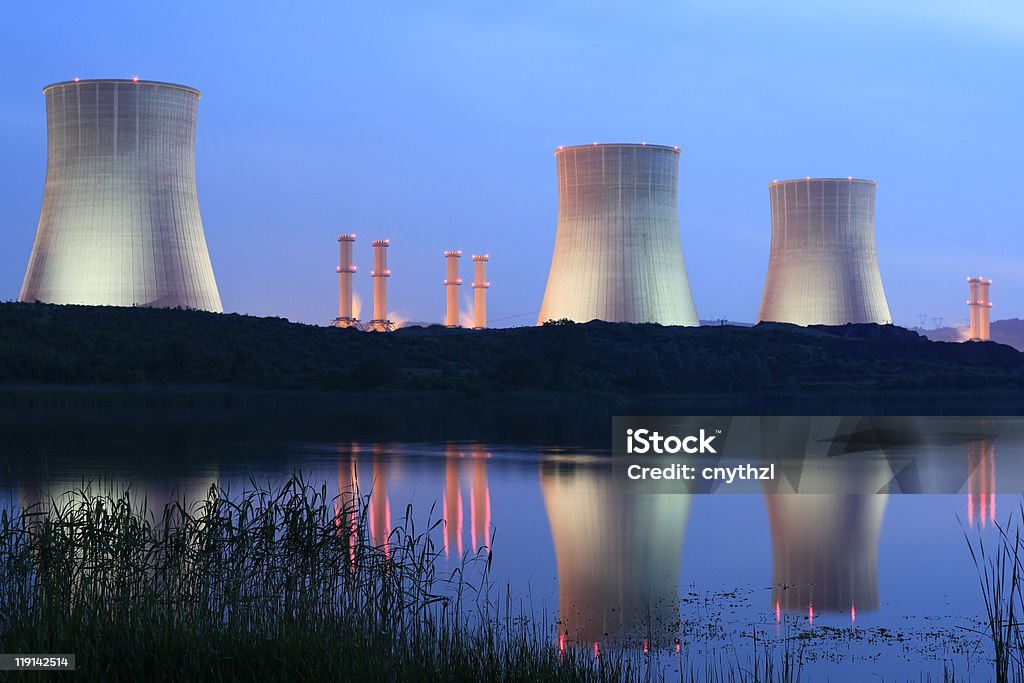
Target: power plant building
120 223
618 255
823 266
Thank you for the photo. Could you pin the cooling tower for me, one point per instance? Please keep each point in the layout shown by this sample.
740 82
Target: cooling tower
120 222
618 256
823 268
480 286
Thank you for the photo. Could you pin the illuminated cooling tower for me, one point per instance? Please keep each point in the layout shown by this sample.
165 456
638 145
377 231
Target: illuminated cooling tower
120 222
618 256
823 267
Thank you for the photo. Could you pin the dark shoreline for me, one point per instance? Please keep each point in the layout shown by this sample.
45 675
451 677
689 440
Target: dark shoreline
62 361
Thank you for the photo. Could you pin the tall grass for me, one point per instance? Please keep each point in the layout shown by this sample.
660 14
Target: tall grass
1001 575
277 583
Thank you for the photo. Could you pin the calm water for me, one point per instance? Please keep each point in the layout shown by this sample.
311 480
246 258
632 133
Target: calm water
862 585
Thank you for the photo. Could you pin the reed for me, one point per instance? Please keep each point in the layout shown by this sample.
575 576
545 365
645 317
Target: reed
277 583
1000 566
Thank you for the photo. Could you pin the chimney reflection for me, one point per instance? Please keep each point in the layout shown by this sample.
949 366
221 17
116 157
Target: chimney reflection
380 506
347 505
480 500
981 483
453 501
618 557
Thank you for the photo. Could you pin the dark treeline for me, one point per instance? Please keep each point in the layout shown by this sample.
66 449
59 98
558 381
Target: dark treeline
77 345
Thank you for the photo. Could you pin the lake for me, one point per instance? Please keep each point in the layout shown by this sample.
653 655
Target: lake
855 584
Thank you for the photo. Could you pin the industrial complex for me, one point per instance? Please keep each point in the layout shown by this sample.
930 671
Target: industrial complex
120 226
120 221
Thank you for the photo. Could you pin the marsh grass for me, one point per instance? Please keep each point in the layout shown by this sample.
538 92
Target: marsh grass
277 583
1000 566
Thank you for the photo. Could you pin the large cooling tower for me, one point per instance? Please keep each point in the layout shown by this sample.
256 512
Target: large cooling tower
120 223
823 267
617 255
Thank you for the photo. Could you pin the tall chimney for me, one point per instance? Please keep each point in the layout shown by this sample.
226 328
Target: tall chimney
979 306
480 285
380 273
345 272
451 288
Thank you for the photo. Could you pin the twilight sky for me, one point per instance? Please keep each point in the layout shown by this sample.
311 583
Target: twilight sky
436 128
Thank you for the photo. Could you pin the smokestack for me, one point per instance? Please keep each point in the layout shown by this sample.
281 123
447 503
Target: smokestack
345 272
618 256
823 267
979 306
380 273
120 222
451 288
480 285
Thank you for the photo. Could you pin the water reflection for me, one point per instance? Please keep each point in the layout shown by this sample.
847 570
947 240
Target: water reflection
454 505
825 547
618 557
148 496
464 492
981 483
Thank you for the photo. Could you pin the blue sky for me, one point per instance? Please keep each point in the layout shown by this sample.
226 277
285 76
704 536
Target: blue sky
434 126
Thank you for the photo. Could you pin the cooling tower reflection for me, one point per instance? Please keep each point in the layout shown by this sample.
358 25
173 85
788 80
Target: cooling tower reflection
150 496
825 546
618 557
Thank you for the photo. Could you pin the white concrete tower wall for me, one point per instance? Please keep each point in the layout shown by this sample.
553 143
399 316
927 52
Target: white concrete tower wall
120 223
618 255
451 288
480 286
823 266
